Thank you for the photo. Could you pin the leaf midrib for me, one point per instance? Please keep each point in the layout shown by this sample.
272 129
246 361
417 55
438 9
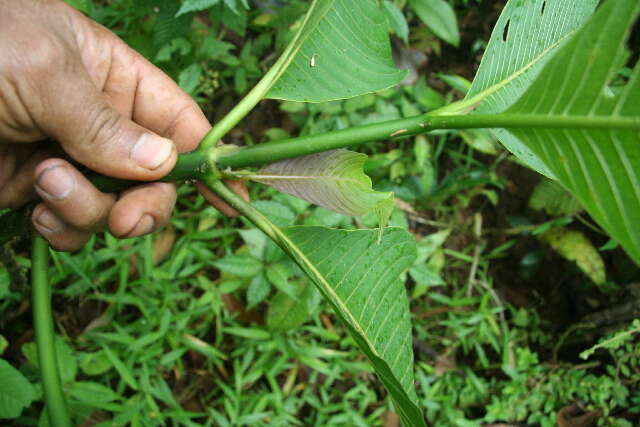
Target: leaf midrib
467 105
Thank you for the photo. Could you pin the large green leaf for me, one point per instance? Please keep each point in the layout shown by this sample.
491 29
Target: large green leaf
593 148
16 392
360 278
332 179
342 50
523 40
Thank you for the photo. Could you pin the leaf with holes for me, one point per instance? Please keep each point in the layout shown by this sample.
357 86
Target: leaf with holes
360 279
523 40
342 50
593 148
333 179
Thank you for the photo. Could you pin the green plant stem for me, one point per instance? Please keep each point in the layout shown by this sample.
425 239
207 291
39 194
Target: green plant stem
191 165
259 91
294 147
56 406
194 165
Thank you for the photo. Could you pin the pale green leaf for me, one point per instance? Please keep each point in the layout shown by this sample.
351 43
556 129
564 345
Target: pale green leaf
359 276
600 166
523 40
440 17
554 199
333 179
575 247
341 50
16 392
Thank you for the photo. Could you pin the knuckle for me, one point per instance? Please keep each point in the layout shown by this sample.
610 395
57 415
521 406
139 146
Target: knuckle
102 126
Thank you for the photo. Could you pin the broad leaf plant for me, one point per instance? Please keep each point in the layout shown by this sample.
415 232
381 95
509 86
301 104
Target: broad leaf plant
556 85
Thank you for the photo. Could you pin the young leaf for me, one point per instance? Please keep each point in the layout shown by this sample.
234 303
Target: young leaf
16 392
440 17
341 51
333 179
600 166
523 40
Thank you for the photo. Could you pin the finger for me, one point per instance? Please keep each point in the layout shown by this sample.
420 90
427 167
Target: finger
142 210
141 91
237 187
92 132
71 197
60 236
17 175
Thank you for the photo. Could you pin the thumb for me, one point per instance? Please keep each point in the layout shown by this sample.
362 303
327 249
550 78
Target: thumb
93 133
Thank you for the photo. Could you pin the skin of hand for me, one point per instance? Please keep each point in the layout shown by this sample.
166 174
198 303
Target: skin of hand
65 78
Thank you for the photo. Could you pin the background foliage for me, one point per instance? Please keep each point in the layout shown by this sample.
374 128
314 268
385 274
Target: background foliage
208 323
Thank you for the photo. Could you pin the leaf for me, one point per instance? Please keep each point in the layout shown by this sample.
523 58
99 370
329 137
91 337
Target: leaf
333 179
600 166
189 78
258 290
525 37
90 392
440 17
95 363
360 279
287 313
396 20
239 265
278 275
16 392
195 6
342 50
574 246
553 199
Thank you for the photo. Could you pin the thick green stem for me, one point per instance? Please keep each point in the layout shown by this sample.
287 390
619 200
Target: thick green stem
191 165
294 147
55 403
194 165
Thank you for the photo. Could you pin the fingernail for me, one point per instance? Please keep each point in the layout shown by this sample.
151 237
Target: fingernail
55 183
48 222
151 151
144 226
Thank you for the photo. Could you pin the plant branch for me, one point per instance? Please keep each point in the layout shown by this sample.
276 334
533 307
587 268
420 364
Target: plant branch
56 406
194 165
393 129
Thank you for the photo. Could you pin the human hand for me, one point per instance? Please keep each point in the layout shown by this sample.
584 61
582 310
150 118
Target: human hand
65 77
